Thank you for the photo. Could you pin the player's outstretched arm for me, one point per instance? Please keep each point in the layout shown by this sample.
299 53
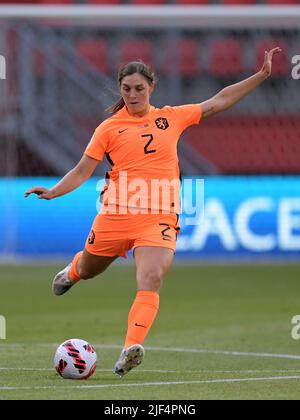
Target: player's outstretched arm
232 94
77 176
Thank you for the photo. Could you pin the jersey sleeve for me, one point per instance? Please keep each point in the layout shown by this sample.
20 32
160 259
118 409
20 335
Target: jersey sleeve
188 115
98 144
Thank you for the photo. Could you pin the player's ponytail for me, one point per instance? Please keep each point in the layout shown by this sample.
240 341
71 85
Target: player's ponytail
116 107
128 69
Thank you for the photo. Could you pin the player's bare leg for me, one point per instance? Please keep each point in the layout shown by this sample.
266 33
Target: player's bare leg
90 266
152 263
84 266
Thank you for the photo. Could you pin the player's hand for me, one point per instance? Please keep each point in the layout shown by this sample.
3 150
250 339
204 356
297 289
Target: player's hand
41 192
266 69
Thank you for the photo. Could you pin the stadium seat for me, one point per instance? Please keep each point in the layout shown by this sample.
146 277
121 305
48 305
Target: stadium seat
42 64
282 2
281 63
11 43
19 2
95 52
148 2
226 58
195 2
104 2
57 2
238 2
186 52
39 62
135 49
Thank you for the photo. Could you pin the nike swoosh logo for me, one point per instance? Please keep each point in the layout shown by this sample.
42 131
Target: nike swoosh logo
122 131
138 325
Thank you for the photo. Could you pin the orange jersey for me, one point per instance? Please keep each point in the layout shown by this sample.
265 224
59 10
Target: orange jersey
143 156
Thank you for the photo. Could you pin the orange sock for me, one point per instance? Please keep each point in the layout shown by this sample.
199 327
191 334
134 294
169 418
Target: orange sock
141 317
73 273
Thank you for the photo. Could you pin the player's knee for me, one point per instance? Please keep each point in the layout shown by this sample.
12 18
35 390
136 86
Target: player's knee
151 280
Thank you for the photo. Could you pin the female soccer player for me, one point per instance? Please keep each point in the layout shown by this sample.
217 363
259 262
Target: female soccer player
140 143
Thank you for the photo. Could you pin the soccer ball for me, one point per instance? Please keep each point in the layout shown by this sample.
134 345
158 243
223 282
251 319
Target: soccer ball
75 359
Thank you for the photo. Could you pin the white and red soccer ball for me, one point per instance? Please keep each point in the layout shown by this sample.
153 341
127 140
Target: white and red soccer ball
75 359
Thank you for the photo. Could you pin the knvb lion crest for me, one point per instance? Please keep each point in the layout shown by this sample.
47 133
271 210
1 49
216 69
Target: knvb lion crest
162 123
91 238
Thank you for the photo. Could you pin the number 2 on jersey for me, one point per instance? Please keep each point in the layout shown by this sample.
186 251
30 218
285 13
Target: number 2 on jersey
146 148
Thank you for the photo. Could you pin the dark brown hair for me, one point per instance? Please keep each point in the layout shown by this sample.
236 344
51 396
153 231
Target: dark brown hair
127 70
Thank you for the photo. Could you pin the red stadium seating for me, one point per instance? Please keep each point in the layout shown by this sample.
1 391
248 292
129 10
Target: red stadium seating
57 2
195 2
131 50
38 62
250 144
11 43
238 2
104 2
95 52
19 1
226 58
186 52
41 64
281 64
282 2
148 2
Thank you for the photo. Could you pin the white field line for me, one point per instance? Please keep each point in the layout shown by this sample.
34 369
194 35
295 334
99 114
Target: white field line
98 370
209 381
227 353
204 371
171 349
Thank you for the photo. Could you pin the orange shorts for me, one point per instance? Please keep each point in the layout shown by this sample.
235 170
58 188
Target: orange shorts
115 234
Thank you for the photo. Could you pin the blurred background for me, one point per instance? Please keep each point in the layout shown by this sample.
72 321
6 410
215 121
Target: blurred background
62 58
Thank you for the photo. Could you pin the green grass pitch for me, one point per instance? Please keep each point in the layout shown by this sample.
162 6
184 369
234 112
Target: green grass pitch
223 332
